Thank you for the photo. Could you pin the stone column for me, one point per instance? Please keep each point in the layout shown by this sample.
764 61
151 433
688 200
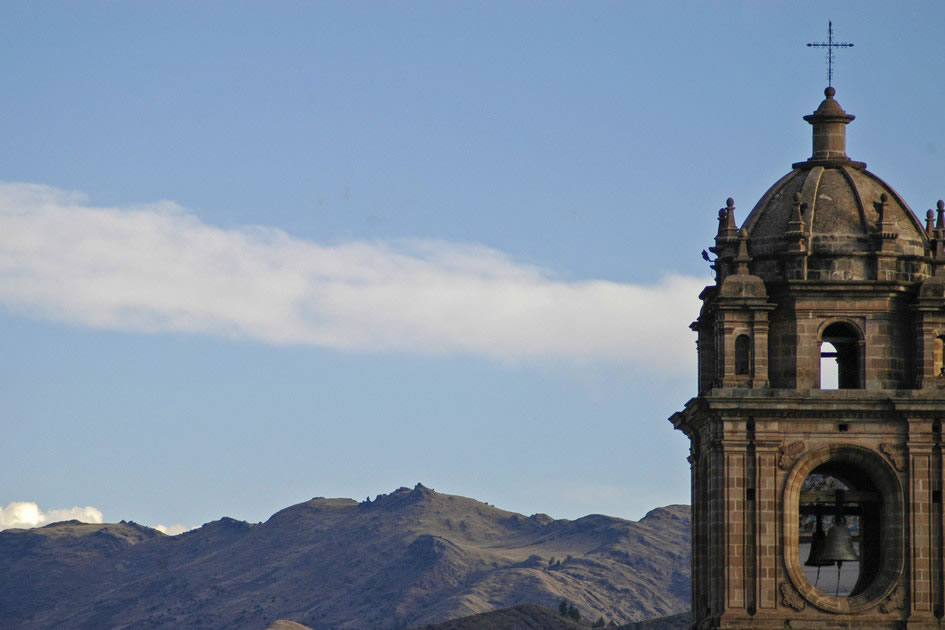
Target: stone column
921 562
727 343
760 350
766 524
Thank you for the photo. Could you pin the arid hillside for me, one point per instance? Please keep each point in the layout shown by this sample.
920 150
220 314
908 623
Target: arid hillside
530 617
409 558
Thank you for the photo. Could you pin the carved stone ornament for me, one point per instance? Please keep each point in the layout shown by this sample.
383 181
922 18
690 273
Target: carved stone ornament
895 453
896 599
789 454
790 597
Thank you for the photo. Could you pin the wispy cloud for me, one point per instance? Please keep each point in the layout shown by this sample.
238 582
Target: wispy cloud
26 514
158 268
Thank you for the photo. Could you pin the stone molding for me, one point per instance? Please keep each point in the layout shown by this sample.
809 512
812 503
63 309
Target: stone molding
790 597
789 455
896 599
895 453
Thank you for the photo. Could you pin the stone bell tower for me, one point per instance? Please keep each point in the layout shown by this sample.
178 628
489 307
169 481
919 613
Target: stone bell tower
821 394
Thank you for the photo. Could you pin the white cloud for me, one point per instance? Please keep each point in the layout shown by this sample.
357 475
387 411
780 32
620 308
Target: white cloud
173 530
25 514
156 268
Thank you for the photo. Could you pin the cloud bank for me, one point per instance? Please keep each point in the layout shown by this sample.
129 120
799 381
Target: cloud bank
157 268
26 514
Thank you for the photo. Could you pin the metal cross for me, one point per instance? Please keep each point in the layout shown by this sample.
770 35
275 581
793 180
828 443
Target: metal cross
829 45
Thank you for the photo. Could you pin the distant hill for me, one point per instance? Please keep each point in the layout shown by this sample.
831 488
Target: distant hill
532 617
680 621
527 617
409 558
523 617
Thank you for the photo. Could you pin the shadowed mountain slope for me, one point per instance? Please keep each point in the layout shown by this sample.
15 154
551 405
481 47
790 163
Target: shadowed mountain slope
523 617
409 558
530 616
527 617
680 621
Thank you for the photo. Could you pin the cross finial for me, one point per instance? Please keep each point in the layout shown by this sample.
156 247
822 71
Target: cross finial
829 45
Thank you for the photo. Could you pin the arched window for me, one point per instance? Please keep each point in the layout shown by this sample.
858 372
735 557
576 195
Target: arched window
742 355
839 357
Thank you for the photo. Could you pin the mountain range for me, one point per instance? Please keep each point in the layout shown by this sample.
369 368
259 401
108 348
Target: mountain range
411 558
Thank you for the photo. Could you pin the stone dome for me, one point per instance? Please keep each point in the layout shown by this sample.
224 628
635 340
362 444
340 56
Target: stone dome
846 223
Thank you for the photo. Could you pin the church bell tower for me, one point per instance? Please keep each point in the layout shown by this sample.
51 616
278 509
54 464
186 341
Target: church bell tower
816 434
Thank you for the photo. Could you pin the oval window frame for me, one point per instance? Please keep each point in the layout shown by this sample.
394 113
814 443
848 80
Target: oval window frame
892 556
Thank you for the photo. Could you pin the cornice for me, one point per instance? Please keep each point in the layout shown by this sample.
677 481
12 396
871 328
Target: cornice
853 404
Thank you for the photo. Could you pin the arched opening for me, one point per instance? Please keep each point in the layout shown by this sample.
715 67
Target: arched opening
839 357
829 375
742 355
840 542
870 501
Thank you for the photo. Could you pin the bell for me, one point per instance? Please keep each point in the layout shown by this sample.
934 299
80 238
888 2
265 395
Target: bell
818 540
838 545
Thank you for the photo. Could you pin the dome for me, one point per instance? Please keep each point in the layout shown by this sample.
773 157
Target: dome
843 221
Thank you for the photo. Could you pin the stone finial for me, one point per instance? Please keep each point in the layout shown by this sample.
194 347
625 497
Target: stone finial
743 258
796 237
796 224
741 284
885 229
727 227
726 241
938 237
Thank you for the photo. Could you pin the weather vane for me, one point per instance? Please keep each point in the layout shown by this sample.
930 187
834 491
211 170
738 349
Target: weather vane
829 45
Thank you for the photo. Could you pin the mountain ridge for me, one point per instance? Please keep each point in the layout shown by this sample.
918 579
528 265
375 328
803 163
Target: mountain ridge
409 558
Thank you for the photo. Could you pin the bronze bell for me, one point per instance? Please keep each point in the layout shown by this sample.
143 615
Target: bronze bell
818 540
838 545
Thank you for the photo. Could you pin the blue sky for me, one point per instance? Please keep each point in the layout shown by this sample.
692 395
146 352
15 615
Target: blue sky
252 253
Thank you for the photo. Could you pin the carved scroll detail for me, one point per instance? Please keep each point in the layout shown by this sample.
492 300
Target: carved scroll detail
896 599
789 454
895 453
790 597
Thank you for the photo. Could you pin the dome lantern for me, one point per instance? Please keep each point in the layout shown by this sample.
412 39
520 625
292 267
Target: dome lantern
830 133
